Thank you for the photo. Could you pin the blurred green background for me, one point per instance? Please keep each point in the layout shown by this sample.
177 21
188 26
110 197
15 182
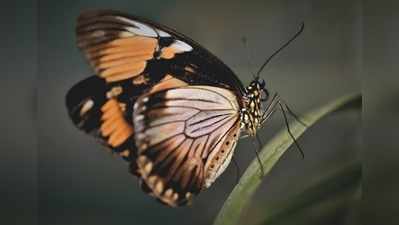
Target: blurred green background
80 183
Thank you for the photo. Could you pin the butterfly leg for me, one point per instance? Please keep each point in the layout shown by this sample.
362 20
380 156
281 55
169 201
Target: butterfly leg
292 113
289 130
271 108
259 146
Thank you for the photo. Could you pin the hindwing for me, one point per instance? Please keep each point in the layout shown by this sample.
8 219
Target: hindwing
185 138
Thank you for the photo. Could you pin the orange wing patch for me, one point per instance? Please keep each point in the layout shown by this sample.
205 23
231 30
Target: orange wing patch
175 48
168 82
120 59
114 125
168 53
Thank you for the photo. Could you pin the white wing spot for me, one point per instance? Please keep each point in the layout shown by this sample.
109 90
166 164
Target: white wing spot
139 117
86 107
98 33
163 33
145 99
140 28
181 46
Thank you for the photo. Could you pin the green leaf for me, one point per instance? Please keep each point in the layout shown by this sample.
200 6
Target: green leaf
241 195
319 201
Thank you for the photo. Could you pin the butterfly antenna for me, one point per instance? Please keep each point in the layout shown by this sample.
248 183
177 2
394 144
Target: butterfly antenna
238 173
289 130
249 64
281 48
257 155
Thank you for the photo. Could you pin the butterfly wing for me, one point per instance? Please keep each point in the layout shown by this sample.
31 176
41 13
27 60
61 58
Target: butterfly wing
132 58
185 138
105 110
120 46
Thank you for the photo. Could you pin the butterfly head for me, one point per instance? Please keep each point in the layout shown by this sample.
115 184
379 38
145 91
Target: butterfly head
251 113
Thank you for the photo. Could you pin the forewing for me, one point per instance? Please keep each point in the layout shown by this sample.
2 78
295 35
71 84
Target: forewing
121 46
185 138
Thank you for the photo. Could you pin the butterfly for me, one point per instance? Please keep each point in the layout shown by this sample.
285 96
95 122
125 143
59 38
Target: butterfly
162 102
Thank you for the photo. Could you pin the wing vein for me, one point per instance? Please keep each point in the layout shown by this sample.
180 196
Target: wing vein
208 118
210 125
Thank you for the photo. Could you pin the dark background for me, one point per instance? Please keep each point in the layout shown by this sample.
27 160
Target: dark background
72 180
18 117
380 115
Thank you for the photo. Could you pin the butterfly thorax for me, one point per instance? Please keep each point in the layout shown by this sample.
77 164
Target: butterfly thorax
251 114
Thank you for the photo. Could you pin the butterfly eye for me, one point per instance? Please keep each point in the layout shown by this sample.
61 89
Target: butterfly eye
262 84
